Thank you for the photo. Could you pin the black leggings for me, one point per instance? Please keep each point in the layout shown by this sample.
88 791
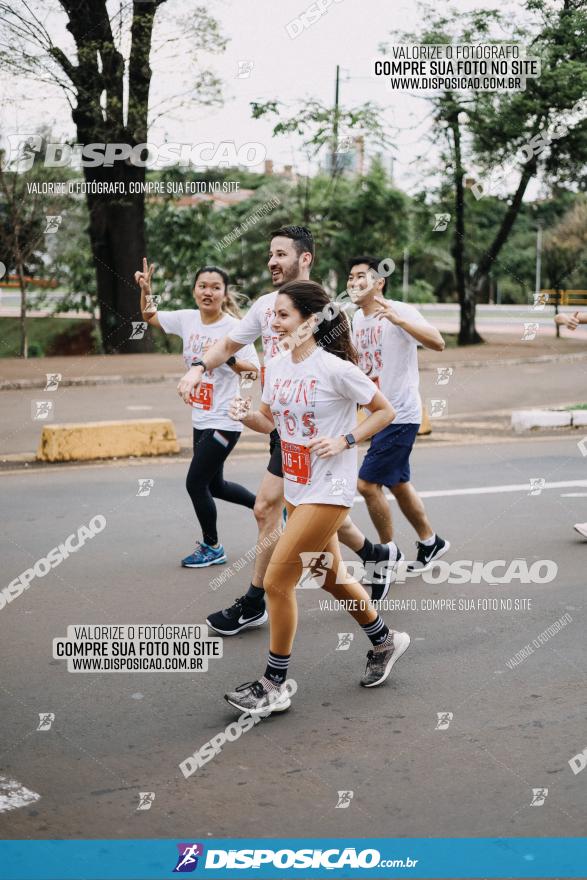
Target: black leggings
205 480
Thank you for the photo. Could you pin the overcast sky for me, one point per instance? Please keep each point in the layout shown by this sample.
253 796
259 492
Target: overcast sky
283 68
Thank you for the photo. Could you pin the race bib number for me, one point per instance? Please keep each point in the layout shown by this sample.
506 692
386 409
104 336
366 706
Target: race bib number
204 396
296 462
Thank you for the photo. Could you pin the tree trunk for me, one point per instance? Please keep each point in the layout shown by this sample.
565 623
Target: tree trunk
467 331
117 221
489 257
24 343
117 235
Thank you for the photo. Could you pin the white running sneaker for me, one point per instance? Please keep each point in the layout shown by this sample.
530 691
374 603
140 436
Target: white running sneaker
380 663
254 699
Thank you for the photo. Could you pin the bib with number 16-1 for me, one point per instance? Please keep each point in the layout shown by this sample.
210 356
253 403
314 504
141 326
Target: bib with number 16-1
296 462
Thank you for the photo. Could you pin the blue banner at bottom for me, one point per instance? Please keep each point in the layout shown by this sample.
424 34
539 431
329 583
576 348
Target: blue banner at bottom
273 858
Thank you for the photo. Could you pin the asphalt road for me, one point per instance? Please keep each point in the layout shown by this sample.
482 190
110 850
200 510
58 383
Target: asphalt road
469 392
115 735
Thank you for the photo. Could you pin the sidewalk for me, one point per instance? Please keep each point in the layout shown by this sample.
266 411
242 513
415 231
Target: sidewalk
150 368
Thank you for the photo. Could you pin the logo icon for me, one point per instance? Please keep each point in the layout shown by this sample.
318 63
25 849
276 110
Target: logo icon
46 719
53 223
42 410
146 799
539 302
345 144
344 800
152 300
539 795
443 375
438 408
530 331
138 329
145 487
537 484
53 380
338 485
344 641
22 149
444 719
188 857
245 68
316 567
246 379
441 222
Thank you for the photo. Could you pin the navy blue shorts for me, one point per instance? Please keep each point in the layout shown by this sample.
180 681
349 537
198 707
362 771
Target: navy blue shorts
388 458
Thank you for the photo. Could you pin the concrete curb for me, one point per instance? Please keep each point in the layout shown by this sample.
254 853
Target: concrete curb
73 381
512 362
136 379
532 419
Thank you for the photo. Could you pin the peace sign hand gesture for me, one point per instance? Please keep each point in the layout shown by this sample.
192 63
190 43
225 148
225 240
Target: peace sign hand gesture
386 310
143 279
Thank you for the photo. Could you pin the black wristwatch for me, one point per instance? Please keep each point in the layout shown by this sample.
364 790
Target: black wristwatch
198 362
350 440
231 361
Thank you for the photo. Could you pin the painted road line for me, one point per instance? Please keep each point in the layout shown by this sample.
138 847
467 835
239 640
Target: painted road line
494 490
13 795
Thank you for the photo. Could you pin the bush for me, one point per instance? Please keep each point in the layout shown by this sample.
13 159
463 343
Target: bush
421 292
77 339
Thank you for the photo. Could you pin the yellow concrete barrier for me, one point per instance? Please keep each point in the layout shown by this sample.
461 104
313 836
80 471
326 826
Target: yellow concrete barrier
90 440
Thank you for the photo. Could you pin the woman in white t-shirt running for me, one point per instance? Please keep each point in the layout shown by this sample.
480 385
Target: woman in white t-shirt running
311 394
215 433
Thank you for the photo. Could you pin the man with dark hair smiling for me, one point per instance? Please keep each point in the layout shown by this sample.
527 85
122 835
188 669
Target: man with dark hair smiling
387 334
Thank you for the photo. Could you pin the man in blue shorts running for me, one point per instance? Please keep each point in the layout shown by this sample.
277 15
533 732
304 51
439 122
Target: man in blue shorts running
386 334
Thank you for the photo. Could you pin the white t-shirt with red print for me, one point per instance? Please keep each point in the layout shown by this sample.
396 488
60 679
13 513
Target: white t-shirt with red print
389 356
258 323
219 386
316 397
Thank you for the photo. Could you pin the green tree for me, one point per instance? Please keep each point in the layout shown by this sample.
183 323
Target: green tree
106 78
483 130
23 231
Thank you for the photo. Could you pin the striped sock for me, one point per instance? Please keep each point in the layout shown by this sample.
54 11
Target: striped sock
276 671
377 631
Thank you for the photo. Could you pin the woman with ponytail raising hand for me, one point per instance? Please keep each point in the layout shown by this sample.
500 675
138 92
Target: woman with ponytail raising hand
215 433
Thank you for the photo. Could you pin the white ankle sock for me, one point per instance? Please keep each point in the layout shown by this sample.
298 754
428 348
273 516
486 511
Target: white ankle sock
429 541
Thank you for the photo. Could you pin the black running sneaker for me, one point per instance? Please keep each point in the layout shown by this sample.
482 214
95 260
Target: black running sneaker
242 615
385 574
254 699
380 663
428 555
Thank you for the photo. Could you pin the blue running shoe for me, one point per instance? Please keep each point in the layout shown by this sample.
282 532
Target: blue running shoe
204 555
